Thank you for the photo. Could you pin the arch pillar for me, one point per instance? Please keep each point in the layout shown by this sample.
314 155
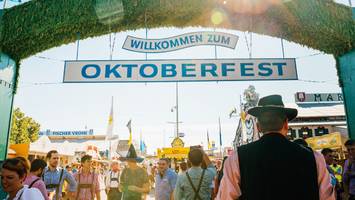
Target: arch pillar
346 72
7 87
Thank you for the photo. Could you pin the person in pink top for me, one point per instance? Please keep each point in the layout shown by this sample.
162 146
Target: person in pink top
33 179
88 181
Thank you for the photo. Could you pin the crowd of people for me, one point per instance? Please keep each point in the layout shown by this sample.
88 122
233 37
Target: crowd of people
272 168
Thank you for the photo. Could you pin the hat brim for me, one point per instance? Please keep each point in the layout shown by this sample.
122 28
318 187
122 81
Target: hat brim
138 159
257 111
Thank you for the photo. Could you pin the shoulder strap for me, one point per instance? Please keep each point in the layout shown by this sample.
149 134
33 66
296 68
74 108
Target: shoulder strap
93 186
61 176
58 186
78 187
45 171
23 190
197 195
33 182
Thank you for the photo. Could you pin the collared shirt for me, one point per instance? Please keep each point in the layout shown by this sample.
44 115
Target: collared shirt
52 177
87 178
349 179
110 181
183 189
165 185
230 184
39 184
27 194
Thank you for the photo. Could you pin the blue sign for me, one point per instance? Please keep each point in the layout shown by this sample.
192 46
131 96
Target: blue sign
66 133
180 70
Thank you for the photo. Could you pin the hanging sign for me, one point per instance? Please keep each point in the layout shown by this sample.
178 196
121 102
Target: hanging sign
302 97
49 132
180 42
179 70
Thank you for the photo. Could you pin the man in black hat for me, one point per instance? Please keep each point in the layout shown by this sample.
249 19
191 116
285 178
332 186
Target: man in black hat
134 180
274 168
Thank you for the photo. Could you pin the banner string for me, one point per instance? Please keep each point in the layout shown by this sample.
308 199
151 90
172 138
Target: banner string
77 45
215 46
146 31
28 84
282 48
60 60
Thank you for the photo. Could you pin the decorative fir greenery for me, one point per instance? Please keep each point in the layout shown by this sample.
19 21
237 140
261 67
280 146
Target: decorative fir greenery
38 25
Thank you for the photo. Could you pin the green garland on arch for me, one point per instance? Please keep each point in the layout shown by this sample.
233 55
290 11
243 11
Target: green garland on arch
37 25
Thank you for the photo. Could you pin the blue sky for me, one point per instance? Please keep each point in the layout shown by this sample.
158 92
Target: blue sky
59 106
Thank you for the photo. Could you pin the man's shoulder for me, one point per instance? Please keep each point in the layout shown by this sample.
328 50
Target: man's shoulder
32 193
57 170
181 177
171 172
248 146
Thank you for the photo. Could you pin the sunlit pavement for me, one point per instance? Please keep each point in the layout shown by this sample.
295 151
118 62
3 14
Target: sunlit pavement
150 196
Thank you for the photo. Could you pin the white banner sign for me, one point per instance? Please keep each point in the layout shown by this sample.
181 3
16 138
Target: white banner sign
180 42
302 97
179 70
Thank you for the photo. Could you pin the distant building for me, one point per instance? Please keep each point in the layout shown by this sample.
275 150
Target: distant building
317 120
75 143
318 114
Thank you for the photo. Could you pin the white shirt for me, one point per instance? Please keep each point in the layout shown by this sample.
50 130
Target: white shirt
112 184
28 194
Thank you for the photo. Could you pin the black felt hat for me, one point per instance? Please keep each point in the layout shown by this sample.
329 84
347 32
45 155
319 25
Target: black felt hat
131 155
272 103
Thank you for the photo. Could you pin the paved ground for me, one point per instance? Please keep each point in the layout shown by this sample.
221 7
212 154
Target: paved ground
149 197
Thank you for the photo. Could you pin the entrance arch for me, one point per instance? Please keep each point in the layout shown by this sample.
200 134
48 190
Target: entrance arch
38 25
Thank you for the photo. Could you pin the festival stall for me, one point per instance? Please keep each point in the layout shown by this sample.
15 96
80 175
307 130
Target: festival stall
177 151
333 141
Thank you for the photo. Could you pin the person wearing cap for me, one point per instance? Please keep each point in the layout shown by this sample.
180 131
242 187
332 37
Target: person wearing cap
273 168
134 182
113 181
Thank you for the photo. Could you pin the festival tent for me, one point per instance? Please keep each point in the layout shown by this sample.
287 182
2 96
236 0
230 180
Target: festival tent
43 145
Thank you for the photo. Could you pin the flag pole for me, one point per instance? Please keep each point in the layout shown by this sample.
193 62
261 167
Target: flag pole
109 139
109 151
177 109
208 141
220 137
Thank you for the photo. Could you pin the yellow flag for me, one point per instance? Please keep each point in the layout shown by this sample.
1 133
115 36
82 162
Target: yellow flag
109 131
243 115
130 139
209 145
129 126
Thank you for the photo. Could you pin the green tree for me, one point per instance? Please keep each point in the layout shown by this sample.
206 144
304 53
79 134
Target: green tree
24 128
